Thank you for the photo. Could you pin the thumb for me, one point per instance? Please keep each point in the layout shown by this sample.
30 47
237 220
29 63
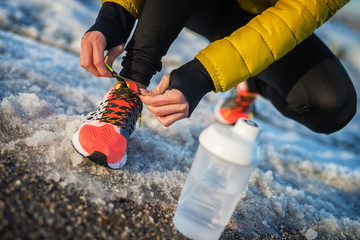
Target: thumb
162 86
114 53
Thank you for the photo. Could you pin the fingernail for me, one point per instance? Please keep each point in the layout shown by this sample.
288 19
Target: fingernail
144 91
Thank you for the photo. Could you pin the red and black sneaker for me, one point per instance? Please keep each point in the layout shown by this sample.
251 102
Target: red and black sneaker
240 104
104 135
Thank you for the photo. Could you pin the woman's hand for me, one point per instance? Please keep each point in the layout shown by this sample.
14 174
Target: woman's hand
167 106
92 54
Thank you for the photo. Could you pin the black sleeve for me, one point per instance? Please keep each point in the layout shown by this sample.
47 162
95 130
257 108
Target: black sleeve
159 24
115 22
193 80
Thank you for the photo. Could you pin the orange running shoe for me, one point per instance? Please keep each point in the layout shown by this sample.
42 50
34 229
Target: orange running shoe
104 135
240 104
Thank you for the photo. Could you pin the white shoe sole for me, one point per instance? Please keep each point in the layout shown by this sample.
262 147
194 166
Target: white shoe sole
77 145
217 114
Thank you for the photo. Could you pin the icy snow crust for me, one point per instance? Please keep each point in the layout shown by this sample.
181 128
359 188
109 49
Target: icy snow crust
305 181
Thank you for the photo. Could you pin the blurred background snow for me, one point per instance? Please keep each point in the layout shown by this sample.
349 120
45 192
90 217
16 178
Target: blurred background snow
305 181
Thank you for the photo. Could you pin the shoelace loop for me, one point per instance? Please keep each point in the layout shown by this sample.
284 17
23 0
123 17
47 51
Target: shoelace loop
115 113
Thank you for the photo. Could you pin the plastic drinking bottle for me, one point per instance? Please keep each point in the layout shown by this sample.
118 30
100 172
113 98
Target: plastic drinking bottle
224 161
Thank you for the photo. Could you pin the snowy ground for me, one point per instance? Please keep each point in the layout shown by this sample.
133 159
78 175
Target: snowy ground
305 181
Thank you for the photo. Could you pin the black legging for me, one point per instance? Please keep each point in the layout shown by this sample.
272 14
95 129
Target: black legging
308 85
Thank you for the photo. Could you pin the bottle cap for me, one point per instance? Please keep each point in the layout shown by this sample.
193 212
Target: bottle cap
236 144
247 129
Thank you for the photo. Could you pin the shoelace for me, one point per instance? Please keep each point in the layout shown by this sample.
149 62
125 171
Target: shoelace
124 93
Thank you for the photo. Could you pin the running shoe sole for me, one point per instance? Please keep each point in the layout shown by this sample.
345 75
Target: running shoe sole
96 156
217 114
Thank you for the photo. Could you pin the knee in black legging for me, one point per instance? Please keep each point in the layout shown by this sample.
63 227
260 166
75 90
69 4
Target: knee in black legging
324 110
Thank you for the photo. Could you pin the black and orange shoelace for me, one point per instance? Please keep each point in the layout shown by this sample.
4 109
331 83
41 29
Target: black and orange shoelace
115 113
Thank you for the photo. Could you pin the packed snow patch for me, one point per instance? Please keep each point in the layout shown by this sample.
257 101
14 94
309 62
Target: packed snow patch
305 181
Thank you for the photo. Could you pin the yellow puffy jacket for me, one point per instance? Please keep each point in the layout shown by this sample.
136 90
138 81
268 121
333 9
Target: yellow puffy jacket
279 26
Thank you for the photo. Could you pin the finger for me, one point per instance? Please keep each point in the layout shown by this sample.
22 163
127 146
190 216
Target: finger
162 86
98 57
173 96
113 54
167 121
144 91
169 109
86 58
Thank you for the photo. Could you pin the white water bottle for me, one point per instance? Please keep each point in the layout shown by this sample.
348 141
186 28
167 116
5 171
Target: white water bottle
219 174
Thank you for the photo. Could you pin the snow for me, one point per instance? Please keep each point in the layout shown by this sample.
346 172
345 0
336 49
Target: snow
305 181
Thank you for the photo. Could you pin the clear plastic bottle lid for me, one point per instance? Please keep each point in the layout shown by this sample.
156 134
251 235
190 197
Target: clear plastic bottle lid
236 144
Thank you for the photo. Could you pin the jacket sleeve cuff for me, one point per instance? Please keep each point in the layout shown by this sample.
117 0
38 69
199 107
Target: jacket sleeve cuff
115 22
193 81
